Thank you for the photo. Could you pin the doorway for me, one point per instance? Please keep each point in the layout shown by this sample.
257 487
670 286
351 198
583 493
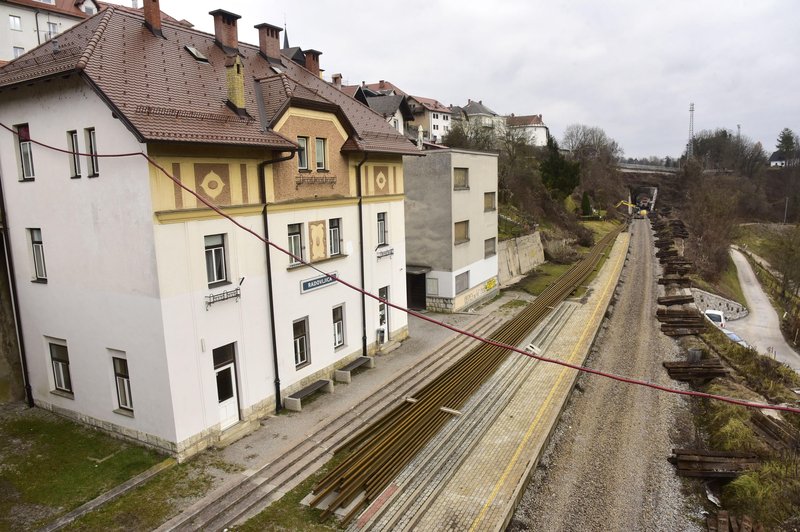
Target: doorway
383 314
227 397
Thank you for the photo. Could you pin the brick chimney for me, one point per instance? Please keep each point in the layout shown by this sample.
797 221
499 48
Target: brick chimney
269 40
235 80
152 17
337 81
312 60
225 31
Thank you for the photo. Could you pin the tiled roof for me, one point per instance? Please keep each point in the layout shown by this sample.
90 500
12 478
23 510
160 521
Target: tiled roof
525 120
165 94
432 105
385 105
477 108
385 87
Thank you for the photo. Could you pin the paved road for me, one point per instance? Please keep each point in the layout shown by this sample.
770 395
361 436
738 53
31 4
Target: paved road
761 327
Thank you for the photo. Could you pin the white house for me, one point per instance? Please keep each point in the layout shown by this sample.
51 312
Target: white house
451 228
531 126
143 311
30 23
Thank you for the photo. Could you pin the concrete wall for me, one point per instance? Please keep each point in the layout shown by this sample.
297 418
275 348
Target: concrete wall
706 300
518 256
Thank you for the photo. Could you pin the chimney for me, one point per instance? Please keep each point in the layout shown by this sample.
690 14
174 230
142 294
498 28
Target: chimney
312 61
382 84
225 31
337 81
269 40
235 79
152 17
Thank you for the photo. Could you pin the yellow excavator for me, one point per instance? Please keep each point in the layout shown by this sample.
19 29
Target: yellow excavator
638 213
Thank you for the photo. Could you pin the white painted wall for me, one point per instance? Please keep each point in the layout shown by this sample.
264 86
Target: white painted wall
468 205
439 124
27 37
102 291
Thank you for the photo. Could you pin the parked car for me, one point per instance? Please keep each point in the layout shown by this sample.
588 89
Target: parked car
733 337
716 317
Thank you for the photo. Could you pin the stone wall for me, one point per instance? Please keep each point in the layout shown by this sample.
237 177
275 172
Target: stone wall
518 256
706 300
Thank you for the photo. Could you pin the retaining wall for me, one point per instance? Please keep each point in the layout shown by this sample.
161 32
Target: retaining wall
518 256
706 300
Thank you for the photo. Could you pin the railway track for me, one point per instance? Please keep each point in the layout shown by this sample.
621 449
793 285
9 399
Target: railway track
248 496
377 454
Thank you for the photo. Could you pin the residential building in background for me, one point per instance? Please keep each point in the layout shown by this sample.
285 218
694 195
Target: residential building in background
29 23
145 312
451 229
531 126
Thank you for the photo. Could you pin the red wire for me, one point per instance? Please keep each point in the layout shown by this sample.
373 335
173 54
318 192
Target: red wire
410 312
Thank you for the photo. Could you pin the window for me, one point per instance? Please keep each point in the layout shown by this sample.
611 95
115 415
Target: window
59 357
461 232
25 152
295 243
18 51
334 236
37 248
15 22
460 178
123 381
302 153
300 343
489 201
91 147
215 260
435 115
320 154
338 326
381 228
462 282
52 30
445 118
489 248
74 158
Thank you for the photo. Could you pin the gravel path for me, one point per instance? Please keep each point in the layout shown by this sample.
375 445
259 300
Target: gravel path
606 467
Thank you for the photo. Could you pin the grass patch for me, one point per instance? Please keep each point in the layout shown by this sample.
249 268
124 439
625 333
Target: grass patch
542 277
514 303
288 514
760 238
771 495
727 286
601 228
156 501
47 461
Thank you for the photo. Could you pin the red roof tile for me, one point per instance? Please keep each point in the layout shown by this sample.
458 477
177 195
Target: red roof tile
432 105
525 120
164 93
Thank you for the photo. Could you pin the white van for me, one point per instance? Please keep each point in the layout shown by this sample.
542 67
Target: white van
716 317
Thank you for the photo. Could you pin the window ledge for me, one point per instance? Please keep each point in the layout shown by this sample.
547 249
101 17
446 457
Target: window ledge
301 366
300 266
490 210
323 170
75 176
93 175
39 281
62 393
217 284
461 188
304 170
26 179
124 412
459 242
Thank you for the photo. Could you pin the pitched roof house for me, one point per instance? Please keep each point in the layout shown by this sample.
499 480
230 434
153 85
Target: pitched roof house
531 126
142 310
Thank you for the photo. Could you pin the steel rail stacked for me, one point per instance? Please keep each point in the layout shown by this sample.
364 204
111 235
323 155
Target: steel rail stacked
379 452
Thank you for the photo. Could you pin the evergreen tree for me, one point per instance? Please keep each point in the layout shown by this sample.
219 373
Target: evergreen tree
586 205
787 142
559 175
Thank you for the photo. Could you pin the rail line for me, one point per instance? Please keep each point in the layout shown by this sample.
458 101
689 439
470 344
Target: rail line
380 451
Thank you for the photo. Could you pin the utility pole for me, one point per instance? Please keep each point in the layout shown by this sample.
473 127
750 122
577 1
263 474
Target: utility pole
690 148
786 210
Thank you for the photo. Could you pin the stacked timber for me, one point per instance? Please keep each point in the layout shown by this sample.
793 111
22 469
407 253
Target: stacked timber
669 301
723 522
713 464
782 434
701 370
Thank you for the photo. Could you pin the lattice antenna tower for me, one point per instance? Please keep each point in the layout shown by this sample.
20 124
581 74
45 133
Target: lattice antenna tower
690 149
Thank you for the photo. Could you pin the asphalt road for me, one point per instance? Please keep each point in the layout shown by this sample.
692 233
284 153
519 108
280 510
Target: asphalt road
761 327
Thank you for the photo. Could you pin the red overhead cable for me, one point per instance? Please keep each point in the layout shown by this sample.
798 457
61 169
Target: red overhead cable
620 378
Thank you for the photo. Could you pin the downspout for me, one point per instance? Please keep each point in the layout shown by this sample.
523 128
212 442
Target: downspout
361 245
38 36
13 289
262 194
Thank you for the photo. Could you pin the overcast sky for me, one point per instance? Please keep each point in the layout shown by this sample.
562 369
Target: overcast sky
627 66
